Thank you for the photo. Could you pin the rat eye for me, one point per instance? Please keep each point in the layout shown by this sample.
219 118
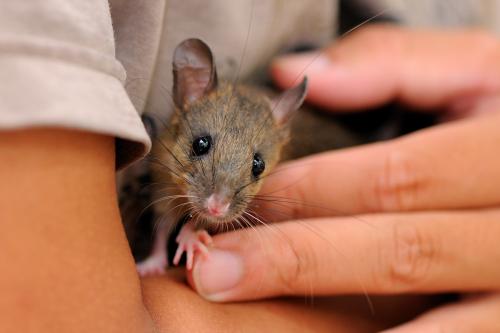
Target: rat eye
258 165
202 145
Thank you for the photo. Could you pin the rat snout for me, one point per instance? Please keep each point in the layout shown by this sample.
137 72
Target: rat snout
217 205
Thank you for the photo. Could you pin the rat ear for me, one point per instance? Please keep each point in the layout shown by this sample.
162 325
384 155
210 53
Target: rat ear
194 71
284 105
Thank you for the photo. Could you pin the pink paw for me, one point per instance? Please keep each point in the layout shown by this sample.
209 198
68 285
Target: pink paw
190 241
154 265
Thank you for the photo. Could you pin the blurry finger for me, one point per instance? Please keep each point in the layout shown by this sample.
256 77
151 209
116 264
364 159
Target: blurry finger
377 64
475 315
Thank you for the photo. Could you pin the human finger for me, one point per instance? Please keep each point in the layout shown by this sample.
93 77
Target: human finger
398 253
451 166
479 314
374 65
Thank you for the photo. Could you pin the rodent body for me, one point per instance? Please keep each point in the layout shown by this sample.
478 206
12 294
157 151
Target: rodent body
222 140
239 123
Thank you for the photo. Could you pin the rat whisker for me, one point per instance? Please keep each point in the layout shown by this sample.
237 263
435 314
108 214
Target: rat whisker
256 230
177 207
324 50
159 183
290 243
239 222
317 232
262 245
158 161
198 217
240 65
164 189
159 188
170 152
169 198
283 202
255 216
167 128
149 205
276 172
193 137
277 231
181 116
158 222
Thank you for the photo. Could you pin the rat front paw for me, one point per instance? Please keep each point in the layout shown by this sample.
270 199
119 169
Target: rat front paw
190 241
154 265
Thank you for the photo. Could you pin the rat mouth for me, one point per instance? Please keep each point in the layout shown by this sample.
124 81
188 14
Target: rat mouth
204 216
215 219
214 209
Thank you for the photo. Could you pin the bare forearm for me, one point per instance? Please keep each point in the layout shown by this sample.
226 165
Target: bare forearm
66 263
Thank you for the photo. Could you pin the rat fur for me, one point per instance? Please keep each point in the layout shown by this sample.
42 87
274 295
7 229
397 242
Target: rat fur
240 122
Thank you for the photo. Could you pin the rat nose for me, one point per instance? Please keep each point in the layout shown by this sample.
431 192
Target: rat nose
217 205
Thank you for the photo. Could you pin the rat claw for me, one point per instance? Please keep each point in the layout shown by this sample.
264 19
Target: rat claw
202 248
189 260
178 254
205 237
151 266
191 241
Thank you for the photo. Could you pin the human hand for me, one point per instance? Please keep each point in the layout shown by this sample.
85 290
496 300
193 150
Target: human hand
426 206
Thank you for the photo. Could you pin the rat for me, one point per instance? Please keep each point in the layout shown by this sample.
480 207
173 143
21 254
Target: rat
222 140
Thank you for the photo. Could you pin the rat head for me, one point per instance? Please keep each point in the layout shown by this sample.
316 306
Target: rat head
227 137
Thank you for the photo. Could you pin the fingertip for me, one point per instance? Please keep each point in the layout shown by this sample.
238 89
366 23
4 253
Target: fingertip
330 85
337 79
190 276
214 277
288 70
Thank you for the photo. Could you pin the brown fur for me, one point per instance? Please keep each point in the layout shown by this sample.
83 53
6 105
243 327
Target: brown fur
241 123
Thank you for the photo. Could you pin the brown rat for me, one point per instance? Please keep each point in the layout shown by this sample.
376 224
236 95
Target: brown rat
222 140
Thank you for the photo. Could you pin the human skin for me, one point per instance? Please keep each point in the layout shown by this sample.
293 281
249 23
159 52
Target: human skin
67 266
418 214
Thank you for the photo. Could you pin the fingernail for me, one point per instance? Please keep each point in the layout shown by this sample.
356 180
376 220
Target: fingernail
310 62
216 274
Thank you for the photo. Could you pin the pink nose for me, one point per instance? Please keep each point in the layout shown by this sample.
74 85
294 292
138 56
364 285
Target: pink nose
217 206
